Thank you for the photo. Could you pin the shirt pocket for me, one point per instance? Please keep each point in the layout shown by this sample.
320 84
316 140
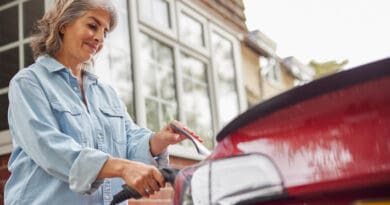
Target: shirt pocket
115 126
69 119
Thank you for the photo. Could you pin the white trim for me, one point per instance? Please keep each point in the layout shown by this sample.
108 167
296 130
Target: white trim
140 112
9 46
239 74
21 36
4 91
9 5
14 44
5 142
157 35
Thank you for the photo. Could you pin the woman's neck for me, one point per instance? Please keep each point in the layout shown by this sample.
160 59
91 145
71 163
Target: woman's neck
74 66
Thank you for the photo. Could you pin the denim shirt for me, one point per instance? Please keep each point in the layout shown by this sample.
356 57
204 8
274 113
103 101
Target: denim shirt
60 144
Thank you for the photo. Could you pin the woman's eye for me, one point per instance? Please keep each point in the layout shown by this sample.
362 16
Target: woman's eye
92 26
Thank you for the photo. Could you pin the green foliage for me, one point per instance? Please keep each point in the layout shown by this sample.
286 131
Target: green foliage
326 68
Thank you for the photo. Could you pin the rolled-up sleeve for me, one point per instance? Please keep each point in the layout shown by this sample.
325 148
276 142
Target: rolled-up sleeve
138 147
35 130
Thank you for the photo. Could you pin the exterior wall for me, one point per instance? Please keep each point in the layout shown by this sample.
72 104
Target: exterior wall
229 11
4 174
251 74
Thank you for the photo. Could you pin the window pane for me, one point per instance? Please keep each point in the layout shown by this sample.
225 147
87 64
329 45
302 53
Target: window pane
168 114
156 11
227 91
9 64
113 63
4 2
3 112
161 12
191 30
9 25
28 56
196 99
164 54
150 81
32 11
167 84
193 67
152 120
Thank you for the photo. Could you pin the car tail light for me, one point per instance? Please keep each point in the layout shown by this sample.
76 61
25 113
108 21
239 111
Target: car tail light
231 180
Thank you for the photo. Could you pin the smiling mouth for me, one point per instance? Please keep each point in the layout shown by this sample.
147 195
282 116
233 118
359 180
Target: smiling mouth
93 48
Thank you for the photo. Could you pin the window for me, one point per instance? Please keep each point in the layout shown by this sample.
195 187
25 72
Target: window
15 52
158 14
113 63
187 73
157 11
270 69
192 29
196 98
159 84
228 101
14 49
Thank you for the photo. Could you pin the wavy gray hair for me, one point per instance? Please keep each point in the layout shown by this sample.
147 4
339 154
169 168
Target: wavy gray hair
46 33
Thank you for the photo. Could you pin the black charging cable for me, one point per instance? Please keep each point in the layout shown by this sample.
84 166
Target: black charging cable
128 192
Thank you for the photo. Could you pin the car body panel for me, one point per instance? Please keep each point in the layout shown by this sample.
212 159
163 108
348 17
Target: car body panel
329 138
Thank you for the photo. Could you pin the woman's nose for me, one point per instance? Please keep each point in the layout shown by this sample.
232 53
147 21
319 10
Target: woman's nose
99 36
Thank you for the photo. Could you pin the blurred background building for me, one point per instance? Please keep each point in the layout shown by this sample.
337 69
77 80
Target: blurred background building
191 60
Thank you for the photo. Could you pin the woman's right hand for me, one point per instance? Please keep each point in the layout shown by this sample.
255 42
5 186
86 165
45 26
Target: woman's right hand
145 179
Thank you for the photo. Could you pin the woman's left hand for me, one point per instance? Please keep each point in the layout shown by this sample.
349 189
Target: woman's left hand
166 136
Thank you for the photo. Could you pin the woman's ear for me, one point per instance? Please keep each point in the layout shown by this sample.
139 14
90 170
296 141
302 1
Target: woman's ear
62 30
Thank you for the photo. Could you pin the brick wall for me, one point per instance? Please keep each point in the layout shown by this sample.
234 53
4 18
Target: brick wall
163 197
4 174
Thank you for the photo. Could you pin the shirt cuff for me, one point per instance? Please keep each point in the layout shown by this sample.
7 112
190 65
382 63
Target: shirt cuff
143 153
163 159
85 169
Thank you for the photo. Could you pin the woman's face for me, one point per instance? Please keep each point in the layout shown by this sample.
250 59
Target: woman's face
83 38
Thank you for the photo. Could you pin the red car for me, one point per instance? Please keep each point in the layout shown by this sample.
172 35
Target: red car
326 142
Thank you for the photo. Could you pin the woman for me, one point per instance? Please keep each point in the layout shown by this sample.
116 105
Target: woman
74 142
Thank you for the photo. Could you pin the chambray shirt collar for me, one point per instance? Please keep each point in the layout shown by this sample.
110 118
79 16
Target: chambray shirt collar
51 64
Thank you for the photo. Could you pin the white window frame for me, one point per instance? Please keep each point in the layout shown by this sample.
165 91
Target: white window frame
202 20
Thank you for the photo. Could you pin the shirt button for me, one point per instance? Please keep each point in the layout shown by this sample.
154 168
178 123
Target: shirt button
74 88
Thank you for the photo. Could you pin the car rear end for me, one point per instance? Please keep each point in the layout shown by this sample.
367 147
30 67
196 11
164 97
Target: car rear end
327 142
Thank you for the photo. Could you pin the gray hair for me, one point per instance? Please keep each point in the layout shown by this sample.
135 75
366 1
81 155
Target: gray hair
47 39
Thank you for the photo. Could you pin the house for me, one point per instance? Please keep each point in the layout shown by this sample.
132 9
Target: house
191 60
